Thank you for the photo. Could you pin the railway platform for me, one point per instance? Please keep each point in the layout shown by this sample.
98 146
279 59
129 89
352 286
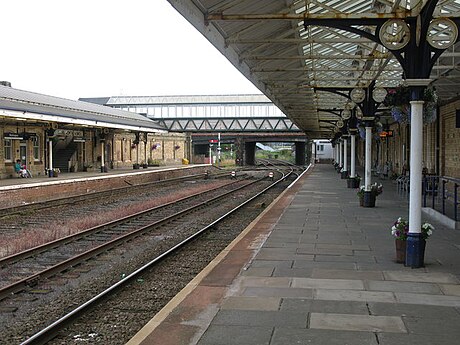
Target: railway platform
17 191
315 268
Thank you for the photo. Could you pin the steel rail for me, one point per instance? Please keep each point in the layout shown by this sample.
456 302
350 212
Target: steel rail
52 330
22 284
70 238
7 211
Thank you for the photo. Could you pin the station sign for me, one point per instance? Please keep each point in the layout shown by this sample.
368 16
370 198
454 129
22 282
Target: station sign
213 141
18 136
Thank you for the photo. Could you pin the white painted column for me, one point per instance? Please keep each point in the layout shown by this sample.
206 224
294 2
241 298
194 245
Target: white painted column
368 160
210 154
415 195
50 154
428 160
102 155
340 153
345 157
352 158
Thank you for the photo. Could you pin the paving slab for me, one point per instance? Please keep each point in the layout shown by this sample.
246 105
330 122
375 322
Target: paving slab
345 258
310 283
287 336
432 277
354 295
235 335
261 318
292 272
346 274
343 246
278 292
417 310
272 263
432 326
251 303
397 286
348 322
265 281
324 265
417 339
318 306
441 300
258 271
449 289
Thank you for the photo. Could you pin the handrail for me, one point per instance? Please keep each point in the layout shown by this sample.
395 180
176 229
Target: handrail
449 190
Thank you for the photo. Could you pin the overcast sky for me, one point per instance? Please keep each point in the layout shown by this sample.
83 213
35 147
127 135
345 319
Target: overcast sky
92 48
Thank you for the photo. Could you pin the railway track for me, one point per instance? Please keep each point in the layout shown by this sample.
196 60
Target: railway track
24 270
51 330
100 195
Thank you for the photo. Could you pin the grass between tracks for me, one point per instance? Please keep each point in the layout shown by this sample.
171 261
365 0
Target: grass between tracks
23 239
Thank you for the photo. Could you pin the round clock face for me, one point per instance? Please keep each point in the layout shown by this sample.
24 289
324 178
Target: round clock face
394 34
442 33
340 124
346 114
379 94
357 95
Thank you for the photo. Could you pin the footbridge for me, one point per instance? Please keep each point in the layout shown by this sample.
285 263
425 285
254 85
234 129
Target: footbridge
242 120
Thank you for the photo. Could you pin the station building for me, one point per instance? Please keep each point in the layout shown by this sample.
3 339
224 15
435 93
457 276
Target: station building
51 135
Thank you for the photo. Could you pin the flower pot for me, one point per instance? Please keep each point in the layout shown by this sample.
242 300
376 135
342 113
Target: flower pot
352 183
400 251
369 199
136 166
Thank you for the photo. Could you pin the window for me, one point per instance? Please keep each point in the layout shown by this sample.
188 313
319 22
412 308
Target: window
8 150
36 148
319 147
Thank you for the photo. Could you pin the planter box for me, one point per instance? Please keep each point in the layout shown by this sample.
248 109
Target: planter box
400 251
369 199
353 183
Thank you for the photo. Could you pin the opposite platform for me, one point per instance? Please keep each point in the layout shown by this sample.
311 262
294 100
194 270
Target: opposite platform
315 268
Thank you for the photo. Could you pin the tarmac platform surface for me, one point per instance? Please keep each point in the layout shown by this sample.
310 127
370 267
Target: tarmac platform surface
316 268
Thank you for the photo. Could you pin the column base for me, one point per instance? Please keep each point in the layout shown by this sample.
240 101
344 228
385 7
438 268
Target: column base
415 250
344 175
369 199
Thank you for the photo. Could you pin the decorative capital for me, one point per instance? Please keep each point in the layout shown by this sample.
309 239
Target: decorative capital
418 82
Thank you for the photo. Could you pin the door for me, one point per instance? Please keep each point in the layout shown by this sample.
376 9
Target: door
23 152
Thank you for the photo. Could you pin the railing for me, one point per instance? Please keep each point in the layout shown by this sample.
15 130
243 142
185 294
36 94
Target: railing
438 192
441 193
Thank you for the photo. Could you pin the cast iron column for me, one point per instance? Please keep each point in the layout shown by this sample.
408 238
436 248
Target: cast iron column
340 154
50 157
345 159
368 160
353 163
103 156
414 257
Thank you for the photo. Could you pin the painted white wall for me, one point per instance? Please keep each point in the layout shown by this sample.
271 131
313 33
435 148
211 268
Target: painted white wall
323 149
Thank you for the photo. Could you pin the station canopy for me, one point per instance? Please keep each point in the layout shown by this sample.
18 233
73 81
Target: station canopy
280 46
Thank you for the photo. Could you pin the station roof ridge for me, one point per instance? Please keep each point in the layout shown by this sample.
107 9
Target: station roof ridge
28 101
181 99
